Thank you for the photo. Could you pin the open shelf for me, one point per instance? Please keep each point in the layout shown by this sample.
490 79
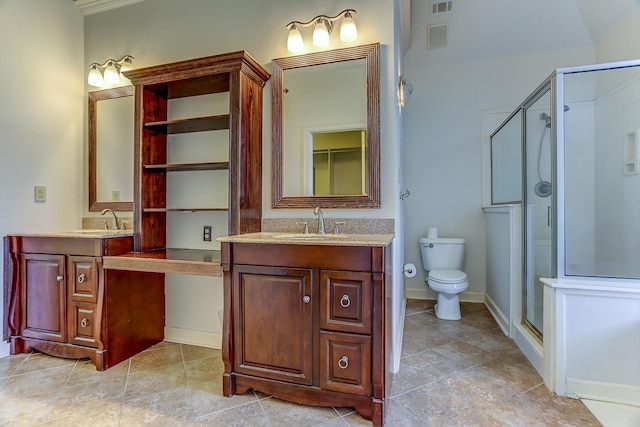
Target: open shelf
186 210
198 124
175 167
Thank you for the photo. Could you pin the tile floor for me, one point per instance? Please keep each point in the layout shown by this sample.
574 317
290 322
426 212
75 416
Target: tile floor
464 373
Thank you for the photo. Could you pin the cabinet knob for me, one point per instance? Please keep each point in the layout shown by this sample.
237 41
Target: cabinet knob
84 323
82 278
60 278
306 299
345 301
343 363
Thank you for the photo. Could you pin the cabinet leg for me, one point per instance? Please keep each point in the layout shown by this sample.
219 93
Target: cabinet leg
228 385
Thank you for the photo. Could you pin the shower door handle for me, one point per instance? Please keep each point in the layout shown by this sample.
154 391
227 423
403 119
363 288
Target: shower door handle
549 216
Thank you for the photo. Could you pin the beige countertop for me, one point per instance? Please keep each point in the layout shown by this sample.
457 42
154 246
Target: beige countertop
81 234
312 238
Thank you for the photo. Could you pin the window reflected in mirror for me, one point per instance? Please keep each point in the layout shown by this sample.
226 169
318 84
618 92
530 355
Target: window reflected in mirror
339 163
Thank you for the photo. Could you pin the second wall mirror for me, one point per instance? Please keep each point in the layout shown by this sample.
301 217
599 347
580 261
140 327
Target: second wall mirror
326 129
110 135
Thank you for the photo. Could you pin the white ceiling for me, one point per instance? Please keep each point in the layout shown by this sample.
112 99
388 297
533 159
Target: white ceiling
89 7
601 16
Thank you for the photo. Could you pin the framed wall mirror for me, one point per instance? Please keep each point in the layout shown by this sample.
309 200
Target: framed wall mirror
110 135
326 129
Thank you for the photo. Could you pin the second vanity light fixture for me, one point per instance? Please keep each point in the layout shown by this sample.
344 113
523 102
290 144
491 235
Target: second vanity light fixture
322 27
109 71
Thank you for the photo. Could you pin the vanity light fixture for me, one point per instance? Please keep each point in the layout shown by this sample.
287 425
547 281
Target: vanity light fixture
322 27
109 71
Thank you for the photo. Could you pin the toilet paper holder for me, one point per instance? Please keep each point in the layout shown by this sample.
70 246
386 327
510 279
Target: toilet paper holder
409 270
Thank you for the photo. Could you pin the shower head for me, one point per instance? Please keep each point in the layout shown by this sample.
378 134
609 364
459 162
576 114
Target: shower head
546 118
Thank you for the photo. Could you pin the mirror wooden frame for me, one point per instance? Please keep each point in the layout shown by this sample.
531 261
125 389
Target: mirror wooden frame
371 54
94 97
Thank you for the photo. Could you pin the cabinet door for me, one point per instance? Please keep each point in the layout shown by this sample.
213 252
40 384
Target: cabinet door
43 296
345 301
272 309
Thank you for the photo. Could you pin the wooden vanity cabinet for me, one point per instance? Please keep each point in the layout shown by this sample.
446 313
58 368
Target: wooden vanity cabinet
62 302
306 323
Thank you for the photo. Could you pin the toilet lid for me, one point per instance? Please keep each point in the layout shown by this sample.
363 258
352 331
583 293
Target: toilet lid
447 276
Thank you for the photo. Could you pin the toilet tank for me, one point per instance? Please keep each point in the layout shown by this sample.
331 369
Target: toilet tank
442 253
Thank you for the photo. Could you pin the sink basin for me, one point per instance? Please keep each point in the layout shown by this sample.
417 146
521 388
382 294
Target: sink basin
310 236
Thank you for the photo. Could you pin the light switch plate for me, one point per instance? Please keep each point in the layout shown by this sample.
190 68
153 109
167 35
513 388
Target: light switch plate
40 192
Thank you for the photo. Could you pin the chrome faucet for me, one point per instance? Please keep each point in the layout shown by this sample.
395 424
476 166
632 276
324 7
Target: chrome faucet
318 212
116 224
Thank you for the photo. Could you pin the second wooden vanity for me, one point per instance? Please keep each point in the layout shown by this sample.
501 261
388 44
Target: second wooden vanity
61 300
306 319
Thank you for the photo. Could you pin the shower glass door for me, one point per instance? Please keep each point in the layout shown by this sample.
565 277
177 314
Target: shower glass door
538 206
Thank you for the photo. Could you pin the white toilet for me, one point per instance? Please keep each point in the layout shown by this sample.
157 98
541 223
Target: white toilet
442 258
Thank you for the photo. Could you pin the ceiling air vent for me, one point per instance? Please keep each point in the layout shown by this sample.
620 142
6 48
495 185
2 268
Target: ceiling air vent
438 7
436 36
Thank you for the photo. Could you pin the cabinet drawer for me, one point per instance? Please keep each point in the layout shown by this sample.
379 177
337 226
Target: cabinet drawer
345 363
345 301
82 278
82 327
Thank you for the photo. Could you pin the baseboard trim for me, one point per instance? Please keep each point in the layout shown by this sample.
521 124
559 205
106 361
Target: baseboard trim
498 315
530 347
413 293
397 347
191 337
623 394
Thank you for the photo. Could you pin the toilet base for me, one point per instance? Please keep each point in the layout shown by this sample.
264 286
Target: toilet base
448 307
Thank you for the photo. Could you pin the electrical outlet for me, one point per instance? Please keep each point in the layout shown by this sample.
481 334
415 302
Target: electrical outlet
115 195
206 233
40 192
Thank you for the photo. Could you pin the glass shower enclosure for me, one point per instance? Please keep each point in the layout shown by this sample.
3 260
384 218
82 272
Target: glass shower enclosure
578 148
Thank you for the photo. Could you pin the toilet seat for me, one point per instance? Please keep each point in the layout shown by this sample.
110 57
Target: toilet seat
448 277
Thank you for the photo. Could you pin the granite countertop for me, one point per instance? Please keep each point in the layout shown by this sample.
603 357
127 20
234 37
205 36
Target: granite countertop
81 234
284 238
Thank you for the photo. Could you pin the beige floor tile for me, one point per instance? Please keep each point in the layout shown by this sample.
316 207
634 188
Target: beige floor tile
39 361
9 365
248 415
172 407
47 380
156 358
452 373
151 381
283 413
192 352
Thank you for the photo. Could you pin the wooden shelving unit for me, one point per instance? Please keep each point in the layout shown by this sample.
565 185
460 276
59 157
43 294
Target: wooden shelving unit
236 73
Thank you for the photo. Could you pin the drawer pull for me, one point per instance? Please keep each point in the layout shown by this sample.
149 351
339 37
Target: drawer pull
82 278
84 323
343 363
345 301
306 299
60 278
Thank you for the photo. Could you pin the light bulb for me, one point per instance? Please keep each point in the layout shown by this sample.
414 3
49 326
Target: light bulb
95 77
295 44
348 30
320 34
111 74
